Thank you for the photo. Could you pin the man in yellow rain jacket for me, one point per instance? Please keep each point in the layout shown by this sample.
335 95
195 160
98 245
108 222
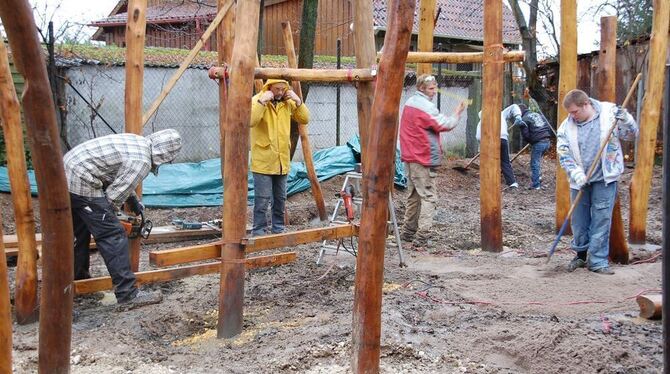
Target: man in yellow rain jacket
271 112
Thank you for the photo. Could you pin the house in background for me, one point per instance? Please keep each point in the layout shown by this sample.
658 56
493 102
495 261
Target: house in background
179 24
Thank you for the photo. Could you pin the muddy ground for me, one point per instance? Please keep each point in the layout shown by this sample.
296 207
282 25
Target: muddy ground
454 309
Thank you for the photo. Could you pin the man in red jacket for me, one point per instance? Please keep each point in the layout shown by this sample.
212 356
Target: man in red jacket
421 150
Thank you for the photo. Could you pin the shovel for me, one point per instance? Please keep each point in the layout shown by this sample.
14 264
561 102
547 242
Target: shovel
464 168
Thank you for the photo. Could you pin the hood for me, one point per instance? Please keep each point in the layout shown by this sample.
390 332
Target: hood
270 82
165 145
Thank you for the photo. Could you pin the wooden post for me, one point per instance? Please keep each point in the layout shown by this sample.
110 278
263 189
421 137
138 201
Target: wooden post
315 75
641 183
135 31
567 81
489 172
231 293
606 91
225 37
223 10
650 306
426 30
5 306
25 290
364 46
304 136
378 171
56 221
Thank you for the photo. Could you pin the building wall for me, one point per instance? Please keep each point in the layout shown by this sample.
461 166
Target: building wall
192 109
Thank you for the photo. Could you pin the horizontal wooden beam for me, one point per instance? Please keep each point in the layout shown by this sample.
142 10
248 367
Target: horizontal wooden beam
176 256
315 75
165 275
291 239
159 234
459 57
211 251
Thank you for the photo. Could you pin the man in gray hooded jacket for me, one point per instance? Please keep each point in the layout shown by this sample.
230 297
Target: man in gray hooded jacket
102 174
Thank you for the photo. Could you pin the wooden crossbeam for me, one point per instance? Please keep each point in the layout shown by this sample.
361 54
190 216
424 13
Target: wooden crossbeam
459 57
210 251
161 234
165 275
315 75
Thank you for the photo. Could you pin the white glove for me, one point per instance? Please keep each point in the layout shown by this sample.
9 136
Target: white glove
578 177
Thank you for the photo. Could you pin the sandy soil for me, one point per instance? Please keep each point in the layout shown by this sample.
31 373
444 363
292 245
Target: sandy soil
454 309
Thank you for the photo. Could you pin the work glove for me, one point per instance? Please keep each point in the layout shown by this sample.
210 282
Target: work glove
519 122
135 205
578 177
622 115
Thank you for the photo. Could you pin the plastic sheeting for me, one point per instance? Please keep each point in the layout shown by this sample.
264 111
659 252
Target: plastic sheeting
199 184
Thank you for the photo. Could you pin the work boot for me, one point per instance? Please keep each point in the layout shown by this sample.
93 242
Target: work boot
603 271
406 237
575 264
141 298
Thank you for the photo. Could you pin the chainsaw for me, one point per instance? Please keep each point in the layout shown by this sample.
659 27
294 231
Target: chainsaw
135 225
347 196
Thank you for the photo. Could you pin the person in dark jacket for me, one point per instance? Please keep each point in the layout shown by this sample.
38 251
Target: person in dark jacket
535 130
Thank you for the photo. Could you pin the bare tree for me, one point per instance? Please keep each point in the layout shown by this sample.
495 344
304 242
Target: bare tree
528 29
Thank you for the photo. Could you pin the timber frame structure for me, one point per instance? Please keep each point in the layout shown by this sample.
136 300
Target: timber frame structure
378 116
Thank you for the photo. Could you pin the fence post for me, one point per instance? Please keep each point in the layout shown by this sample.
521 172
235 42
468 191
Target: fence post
338 103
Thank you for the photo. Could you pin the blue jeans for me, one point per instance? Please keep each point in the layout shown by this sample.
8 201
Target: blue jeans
269 190
537 150
591 222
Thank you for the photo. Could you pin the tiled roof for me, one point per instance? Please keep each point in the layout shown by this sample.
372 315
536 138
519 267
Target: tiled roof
164 13
459 19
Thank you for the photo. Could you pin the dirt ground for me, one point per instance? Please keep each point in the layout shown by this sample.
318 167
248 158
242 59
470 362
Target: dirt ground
454 309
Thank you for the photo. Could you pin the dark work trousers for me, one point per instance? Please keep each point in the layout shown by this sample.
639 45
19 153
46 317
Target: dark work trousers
269 190
505 164
95 216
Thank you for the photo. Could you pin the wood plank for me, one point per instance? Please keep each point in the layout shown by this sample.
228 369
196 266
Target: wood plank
210 251
165 275
640 185
291 239
169 257
160 234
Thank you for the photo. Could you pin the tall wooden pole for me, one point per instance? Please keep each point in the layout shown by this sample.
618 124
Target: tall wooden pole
567 81
25 290
364 46
378 171
5 310
225 36
489 192
56 221
231 293
304 134
641 183
426 31
135 32
606 91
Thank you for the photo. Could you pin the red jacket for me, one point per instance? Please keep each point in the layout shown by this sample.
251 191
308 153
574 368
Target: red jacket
420 127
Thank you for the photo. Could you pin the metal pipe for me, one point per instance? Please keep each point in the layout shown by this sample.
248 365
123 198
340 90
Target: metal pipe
338 94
